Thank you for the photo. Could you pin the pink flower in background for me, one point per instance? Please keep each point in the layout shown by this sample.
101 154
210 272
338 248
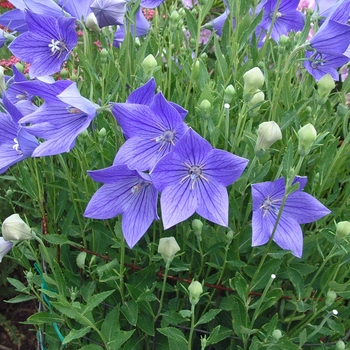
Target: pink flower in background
306 4
189 3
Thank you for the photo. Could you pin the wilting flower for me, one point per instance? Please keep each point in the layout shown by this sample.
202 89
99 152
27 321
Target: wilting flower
152 131
168 247
60 119
47 43
15 143
5 247
299 208
126 192
288 18
15 229
109 12
193 178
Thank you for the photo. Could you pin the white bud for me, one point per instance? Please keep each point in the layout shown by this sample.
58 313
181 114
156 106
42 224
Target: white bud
15 229
195 289
268 133
253 80
91 23
168 247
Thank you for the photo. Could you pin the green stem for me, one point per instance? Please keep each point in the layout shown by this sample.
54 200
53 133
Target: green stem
192 328
165 277
122 269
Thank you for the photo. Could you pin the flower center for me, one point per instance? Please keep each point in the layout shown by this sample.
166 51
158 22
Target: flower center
166 138
316 61
16 146
22 96
278 15
57 46
194 174
141 184
268 206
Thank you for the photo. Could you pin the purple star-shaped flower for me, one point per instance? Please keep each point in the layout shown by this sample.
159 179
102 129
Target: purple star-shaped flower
288 18
109 12
15 143
299 208
151 131
126 192
145 94
193 178
63 116
47 43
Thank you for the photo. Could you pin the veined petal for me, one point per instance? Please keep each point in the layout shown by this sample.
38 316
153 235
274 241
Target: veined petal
262 227
144 94
113 174
223 166
272 189
150 4
77 9
212 202
178 202
109 12
14 20
304 208
139 215
107 202
289 236
49 7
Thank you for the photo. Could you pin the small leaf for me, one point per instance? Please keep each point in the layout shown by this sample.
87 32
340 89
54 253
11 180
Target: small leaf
176 339
207 317
76 334
130 310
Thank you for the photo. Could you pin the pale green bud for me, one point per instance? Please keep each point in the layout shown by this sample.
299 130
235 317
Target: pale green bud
15 229
330 297
229 93
258 97
253 80
325 85
342 110
268 133
276 334
81 260
343 230
205 107
307 136
340 345
196 70
104 55
168 247
64 73
195 289
197 226
229 235
91 23
174 20
102 133
149 64
284 40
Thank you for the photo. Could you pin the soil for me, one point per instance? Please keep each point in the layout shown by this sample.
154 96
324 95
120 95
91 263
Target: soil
13 334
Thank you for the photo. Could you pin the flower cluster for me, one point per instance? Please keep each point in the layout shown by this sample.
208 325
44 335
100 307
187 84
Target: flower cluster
190 174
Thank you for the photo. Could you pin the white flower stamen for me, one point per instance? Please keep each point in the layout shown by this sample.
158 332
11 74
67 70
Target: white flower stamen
57 46
195 173
16 146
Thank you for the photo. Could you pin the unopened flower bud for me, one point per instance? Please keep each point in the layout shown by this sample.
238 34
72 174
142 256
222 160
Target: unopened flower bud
307 136
5 247
342 110
324 87
205 107
229 93
81 260
9 193
276 334
257 98
229 236
253 80
174 20
197 226
104 55
15 229
102 134
29 276
91 23
343 230
268 133
2 80
330 297
195 289
149 64
196 70
64 73
204 342
284 40
168 247
340 345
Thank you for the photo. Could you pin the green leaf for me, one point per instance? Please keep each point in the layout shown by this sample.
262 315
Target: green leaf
110 325
220 60
96 300
130 310
20 299
239 316
208 316
176 339
302 337
91 347
241 286
41 318
17 284
192 24
269 268
119 339
218 334
76 334
145 323
288 159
